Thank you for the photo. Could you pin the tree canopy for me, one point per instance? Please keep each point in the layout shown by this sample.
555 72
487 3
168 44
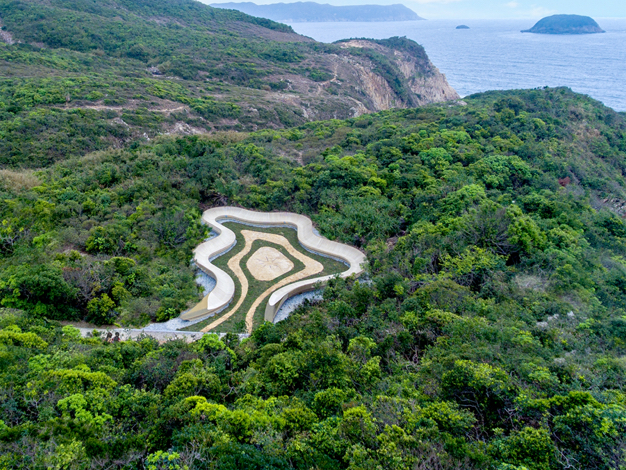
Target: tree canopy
490 332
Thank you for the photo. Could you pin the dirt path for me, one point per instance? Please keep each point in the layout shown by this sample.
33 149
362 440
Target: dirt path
122 108
321 86
165 107
311 267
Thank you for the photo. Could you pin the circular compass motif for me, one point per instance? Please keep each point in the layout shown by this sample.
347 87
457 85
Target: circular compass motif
268 263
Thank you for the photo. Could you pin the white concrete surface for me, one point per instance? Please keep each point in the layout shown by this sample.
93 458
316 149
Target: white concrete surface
224 290
292 303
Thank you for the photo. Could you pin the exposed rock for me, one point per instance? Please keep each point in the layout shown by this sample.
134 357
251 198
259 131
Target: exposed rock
358 86
377 89
427 85
5 36
613 204
182 128
462 26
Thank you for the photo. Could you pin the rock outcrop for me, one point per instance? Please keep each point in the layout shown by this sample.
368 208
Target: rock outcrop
367 76
5 36
423 82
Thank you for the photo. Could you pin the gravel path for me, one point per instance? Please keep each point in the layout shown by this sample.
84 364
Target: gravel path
161 336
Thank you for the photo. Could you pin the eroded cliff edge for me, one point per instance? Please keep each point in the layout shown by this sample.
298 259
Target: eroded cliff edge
420 81
367 75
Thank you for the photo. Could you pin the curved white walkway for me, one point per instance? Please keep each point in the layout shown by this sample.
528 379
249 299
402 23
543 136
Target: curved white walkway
224 290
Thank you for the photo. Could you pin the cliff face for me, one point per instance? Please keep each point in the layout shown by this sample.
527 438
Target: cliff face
379 95
422 81
365 76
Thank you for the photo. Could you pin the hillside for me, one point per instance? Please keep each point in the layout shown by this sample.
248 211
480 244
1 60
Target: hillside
487 333
492 333
79 76
565 24
302 12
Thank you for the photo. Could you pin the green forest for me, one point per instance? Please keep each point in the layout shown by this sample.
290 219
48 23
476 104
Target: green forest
491 332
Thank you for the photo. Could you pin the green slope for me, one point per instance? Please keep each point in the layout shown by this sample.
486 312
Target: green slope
192 35
492 334
81 76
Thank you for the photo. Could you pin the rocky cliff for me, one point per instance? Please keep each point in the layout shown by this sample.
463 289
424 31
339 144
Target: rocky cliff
367 76
424 83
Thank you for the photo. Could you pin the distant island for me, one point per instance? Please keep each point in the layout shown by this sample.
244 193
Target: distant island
565 24
303 12
462 26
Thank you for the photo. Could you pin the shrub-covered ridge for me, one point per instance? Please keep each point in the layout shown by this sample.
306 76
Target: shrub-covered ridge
491 335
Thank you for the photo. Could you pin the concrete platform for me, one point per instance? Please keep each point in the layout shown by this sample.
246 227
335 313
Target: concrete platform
224 290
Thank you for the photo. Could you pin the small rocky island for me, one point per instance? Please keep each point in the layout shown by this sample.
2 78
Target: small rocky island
565 24
462 26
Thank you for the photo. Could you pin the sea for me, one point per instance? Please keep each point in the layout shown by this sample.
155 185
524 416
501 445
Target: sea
495 55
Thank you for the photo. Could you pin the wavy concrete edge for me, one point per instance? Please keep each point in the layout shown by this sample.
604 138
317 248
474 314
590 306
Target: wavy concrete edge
224 289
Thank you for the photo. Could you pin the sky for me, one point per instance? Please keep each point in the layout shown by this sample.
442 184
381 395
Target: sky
479 9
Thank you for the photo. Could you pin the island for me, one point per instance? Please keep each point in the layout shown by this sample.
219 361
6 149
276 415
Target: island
462 26
303 12
565 24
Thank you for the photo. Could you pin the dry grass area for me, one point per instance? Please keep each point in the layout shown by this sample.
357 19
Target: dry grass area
97 157
20 180
227 137
528 281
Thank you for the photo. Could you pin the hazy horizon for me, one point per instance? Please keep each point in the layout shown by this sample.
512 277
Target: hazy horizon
486 9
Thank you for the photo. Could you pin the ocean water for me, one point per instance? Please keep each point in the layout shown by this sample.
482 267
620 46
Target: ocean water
495 55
